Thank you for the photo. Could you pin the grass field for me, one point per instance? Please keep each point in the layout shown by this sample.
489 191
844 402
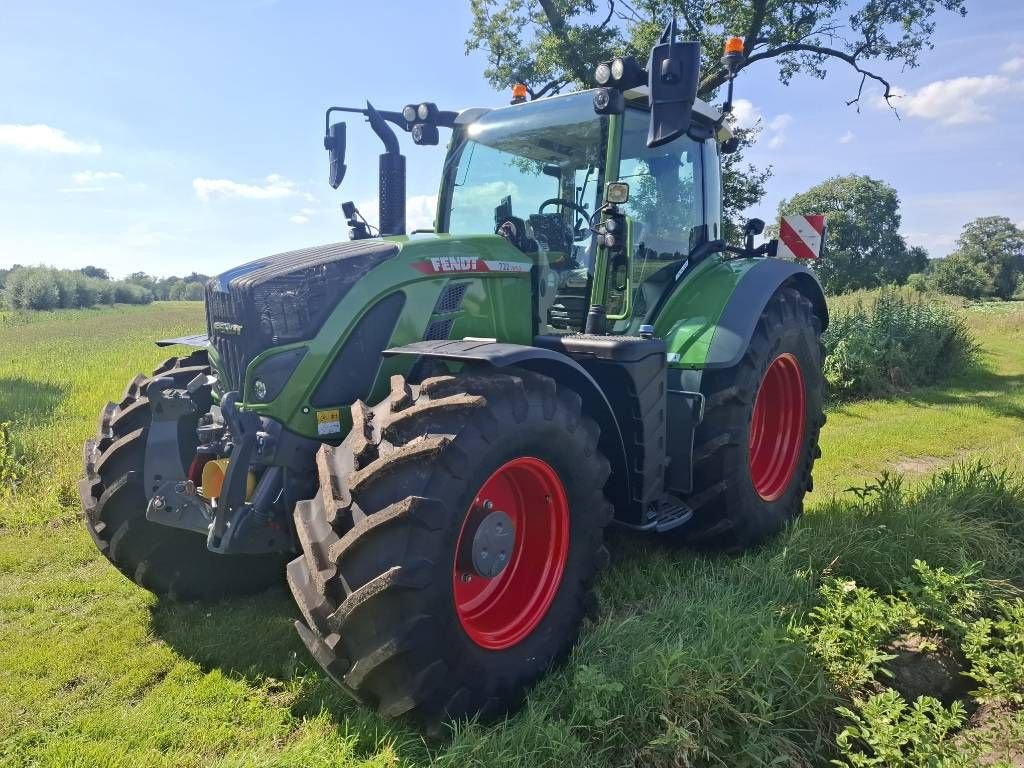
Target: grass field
693 660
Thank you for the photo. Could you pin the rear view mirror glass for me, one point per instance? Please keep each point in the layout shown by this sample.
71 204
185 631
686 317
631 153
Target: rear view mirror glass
334 143
672 73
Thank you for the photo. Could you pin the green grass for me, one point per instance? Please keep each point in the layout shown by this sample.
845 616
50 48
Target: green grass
693 659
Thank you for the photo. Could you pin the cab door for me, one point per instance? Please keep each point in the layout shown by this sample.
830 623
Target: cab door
665 220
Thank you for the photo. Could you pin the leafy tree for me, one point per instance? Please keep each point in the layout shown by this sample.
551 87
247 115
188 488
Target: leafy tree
97 272
549 45
863 245
988 261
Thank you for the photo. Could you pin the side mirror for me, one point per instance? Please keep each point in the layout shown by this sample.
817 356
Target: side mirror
672 73
334 143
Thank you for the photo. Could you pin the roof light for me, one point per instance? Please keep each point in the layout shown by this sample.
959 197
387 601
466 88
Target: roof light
519 92
603 73
734 55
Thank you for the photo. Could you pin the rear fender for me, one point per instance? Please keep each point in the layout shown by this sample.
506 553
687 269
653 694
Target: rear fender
710 317
563 369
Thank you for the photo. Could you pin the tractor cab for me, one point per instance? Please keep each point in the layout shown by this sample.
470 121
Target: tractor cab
536 174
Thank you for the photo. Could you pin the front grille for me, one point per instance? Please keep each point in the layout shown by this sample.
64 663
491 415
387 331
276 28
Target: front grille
282 299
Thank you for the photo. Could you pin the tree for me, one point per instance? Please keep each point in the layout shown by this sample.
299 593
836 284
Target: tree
988 261
549 45
863 245
97 272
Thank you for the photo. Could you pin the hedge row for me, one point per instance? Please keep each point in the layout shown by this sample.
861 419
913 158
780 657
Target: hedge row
48 288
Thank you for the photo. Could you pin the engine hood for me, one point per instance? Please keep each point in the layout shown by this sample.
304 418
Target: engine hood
282 299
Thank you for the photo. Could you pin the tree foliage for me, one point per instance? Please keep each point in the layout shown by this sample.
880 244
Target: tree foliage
988 261
48 288
863 245
188 288
549 45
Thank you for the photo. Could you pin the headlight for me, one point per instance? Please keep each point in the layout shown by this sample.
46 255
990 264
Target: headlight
270 376
409 113
603 73
618 68
423 111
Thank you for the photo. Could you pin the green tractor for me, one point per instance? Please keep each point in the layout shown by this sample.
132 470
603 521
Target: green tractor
430 432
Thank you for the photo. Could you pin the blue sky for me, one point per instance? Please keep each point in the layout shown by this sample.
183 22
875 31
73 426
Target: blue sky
172 137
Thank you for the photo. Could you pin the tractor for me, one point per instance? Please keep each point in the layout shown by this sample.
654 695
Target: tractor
428 433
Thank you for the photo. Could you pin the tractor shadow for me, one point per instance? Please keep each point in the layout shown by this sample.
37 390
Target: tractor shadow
24 400
253 640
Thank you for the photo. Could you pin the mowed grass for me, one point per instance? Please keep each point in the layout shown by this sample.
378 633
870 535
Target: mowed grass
690 661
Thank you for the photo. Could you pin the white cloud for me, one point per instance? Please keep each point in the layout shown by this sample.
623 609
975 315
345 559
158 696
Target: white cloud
419 211
303 216
847 137
775 130
1016 64
81 189
748 115
87 178
274 187
958 101
44 138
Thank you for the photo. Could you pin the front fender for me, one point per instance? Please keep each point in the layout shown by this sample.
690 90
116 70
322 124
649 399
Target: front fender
566 372
709 319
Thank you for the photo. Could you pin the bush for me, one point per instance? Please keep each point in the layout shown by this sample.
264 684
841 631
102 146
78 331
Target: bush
893 343
48 288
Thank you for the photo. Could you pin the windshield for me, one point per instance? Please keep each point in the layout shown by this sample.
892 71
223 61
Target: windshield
509 163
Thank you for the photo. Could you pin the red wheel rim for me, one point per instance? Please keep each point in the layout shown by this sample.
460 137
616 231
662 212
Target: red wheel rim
500 612
777 427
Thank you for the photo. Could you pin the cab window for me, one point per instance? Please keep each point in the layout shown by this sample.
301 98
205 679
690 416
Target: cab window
666 208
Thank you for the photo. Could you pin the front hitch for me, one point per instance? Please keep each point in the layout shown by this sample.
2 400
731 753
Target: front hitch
234 525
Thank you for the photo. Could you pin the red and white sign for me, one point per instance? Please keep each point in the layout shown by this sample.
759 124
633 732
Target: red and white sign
801 237
445 264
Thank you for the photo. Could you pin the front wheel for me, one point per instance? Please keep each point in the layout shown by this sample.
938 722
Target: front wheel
448 558
755 449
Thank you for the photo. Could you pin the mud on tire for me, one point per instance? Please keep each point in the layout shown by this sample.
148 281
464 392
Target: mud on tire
168 561
728 510
375 581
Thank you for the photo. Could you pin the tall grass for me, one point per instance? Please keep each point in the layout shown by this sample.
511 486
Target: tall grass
894 341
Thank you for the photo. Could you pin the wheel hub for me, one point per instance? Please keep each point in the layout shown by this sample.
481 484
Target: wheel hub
493 542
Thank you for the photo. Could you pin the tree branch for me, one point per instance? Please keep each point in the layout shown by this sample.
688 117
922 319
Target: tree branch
713 81
754 28
557 23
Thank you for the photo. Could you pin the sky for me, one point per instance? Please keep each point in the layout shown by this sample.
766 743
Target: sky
187 136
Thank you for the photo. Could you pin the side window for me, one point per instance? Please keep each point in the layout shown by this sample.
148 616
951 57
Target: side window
712 189
666 206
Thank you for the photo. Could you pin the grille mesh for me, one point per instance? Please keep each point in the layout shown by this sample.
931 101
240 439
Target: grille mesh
439 329
450 299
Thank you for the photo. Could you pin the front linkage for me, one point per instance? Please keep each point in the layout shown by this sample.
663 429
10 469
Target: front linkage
233 524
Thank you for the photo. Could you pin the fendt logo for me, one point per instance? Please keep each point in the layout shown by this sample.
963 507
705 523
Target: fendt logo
227 329
439 264
455 264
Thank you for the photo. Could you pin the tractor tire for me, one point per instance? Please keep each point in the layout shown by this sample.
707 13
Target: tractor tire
395 607
756 446
170 562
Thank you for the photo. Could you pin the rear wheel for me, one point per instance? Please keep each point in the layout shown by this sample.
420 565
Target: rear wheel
756 447
168 561
448 558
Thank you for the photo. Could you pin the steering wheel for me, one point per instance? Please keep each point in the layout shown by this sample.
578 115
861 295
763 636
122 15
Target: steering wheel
577 234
